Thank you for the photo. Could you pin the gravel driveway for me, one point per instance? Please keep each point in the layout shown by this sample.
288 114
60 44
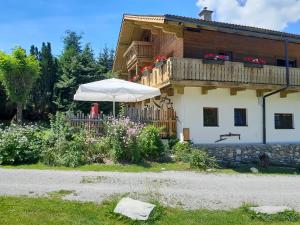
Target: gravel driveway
187 189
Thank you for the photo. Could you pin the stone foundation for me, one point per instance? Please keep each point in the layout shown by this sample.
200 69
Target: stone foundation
279 154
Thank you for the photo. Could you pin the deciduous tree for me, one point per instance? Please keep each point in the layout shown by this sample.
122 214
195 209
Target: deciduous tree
18 73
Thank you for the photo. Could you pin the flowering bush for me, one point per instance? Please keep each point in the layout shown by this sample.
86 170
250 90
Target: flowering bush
211 56
20 144
254 60
123 134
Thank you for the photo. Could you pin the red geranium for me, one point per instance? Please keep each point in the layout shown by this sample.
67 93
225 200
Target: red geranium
146 68
160 58
253 60
209 56
212 56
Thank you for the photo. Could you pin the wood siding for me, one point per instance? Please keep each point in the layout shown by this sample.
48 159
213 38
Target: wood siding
196 44
167 44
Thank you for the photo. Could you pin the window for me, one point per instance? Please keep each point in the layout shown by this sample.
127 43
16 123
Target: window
210 117
281 62
226 53
284 121
240 117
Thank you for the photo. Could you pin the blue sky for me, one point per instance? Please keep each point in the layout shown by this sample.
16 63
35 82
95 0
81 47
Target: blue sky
34 21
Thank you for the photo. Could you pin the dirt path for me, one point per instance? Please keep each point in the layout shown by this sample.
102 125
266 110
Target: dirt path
188 189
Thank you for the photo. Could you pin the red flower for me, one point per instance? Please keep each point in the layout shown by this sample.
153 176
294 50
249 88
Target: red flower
255 60
160 58
209 56
146 68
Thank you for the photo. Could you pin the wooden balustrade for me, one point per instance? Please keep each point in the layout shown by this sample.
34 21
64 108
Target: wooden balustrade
138 51
185 69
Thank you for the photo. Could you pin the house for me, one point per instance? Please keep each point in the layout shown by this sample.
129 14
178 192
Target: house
227 83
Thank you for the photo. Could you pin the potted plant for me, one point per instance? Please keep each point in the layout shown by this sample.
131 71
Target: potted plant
160 60
254 62
212 58
146 70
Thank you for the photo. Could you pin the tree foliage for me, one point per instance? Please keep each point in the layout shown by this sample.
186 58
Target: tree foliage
41 102
59 78
18 73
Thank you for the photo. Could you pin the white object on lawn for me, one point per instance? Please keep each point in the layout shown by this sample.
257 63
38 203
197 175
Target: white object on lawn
254 170
115 90
270 209
135 210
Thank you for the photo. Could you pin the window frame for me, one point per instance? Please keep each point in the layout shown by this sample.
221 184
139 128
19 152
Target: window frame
246 117
292 127
290 62
217 114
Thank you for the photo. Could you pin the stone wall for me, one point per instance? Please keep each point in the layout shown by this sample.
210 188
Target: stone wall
279 154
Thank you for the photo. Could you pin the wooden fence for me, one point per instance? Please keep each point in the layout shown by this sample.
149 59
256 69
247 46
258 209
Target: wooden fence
82 121
165 119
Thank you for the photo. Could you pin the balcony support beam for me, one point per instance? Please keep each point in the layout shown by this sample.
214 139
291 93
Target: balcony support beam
283 94
179 89
234 91
261 92
204 90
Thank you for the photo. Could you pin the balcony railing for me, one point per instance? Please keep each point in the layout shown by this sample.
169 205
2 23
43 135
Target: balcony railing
138 51
186 69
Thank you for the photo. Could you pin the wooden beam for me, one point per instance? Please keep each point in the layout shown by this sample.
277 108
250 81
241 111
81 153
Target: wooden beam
283 94
179 89
204 90
233 91
170 92
261 92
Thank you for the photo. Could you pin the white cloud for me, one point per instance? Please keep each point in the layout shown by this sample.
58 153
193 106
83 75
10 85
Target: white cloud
271 14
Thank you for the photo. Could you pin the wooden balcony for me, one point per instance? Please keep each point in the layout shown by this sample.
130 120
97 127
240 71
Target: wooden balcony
138 52
193 72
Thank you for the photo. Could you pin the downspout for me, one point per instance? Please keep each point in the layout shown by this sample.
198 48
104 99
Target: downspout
277 91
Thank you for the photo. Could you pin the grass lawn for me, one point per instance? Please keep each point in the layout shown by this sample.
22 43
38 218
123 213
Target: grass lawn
158 167
41 211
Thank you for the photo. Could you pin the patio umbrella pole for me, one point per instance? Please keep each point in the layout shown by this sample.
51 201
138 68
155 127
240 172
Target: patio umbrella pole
114 106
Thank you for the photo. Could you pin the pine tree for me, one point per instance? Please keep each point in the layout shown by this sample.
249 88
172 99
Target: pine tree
41 103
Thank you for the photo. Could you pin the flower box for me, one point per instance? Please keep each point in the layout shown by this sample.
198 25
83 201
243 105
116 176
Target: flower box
212 58
160 61
254 62
253 65
213 61
147 70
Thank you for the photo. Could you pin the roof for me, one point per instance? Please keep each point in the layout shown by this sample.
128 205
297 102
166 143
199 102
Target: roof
200 22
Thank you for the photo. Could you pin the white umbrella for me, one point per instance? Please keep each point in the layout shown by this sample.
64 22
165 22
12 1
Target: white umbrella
115 90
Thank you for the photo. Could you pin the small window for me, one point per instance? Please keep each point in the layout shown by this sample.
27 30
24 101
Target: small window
226 53
210 117
240 117
284 121
281 62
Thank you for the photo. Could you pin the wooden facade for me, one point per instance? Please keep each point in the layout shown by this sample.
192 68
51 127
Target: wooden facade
142 38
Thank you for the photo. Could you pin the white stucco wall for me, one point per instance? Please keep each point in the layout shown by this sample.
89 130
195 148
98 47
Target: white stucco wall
189 109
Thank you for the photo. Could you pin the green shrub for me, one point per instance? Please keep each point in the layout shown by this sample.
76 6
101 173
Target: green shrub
70 153
201 160
182 151
98 149
172 142
20 144
64 146
150 144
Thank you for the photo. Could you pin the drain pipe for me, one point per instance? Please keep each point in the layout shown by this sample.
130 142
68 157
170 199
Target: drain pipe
277 91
